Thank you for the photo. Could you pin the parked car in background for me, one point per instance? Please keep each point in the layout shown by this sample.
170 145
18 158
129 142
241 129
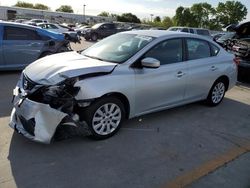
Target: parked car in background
82 30
157 28
34 22
215 36
54 27
21 20
239 44
101 30
222 41
21 44
69 33
123 76
198 31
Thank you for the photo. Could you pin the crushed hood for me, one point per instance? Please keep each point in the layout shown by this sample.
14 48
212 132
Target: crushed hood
53 69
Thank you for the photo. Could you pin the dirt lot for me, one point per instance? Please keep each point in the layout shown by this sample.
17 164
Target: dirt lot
193 146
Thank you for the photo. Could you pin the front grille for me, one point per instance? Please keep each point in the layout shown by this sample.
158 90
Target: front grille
27 83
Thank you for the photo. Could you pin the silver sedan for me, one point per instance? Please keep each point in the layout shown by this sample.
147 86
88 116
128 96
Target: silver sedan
123 76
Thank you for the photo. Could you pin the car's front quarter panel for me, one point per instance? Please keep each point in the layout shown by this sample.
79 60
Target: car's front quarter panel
121 81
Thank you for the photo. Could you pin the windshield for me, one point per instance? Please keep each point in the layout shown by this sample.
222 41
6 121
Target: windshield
117 48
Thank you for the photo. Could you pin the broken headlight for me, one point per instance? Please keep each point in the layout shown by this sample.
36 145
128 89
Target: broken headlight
61 96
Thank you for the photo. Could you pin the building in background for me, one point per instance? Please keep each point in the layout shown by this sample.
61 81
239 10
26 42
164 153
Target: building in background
13 13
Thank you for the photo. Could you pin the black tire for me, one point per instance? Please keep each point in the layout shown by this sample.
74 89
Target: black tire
91 111
45 54
63 49
87 38
94 37
219 87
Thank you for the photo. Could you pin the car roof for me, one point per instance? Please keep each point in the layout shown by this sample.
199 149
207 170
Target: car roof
161 33
18 25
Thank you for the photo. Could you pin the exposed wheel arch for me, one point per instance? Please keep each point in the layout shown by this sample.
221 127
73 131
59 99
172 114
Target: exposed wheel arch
123 99
225 79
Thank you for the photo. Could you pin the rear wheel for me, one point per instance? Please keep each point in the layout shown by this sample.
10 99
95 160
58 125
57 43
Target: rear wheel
104 117
216 93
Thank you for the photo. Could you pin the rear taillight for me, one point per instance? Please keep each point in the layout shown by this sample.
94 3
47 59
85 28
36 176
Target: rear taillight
237 60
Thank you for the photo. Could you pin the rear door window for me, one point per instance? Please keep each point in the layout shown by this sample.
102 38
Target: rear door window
197 49
17 33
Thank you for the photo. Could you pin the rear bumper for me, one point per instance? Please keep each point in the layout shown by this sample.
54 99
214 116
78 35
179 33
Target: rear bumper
244 71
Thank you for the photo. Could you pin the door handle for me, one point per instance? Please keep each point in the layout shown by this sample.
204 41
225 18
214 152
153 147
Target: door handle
180 74
213 68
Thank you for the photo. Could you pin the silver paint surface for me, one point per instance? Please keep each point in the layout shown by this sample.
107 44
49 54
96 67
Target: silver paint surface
147 90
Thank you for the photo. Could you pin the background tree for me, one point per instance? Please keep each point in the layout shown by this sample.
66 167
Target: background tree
231 12
104 14
65 8
23 4
178 18
157 19
202 13
128 17
167 22
184 17
41 6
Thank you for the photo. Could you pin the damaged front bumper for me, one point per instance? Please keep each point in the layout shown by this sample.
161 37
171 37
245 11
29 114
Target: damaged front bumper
39 121
35 120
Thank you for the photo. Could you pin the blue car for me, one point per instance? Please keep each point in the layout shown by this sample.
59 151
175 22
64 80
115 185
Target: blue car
22 44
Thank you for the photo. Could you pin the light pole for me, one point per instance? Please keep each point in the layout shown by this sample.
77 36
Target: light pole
84 12
151 17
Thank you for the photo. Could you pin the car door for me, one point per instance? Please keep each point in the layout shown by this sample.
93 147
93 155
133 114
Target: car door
107 30
203 68
21 46
1 46
163 86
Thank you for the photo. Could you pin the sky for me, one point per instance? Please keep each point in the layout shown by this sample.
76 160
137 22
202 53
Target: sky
141 8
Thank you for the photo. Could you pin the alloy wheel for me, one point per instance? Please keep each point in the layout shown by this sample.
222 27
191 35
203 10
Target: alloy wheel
218 92
106 119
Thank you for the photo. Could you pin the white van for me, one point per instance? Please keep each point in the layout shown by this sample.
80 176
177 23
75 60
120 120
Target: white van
198 31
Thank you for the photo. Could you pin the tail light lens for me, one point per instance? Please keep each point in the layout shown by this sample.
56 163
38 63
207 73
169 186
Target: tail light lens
237 61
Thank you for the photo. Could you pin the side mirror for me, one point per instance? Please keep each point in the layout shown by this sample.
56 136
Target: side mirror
150 62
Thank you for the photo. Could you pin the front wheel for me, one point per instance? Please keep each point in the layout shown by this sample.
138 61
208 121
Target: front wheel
216 93
104 117
94 37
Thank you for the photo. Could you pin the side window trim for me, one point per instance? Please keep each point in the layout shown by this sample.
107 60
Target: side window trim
211 49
